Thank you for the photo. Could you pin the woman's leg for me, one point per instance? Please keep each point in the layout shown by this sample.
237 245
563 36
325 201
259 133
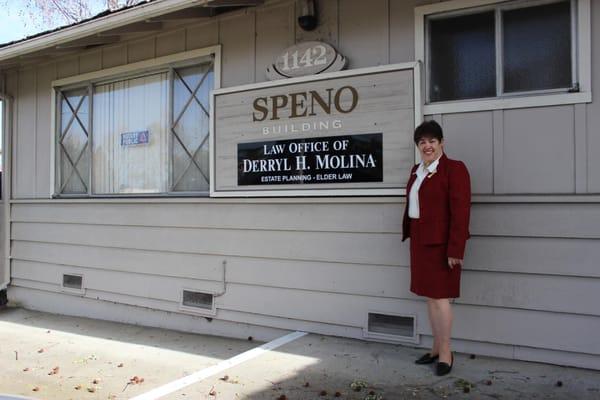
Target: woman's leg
435 347
442 315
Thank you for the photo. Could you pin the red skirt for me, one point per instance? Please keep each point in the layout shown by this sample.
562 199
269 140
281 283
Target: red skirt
430 275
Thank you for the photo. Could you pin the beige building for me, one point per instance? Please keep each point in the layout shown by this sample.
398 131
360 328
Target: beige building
123 198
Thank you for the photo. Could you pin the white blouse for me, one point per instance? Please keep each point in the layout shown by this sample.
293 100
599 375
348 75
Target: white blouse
413 197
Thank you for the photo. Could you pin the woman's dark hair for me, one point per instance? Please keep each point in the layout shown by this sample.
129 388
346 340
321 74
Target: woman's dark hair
428 129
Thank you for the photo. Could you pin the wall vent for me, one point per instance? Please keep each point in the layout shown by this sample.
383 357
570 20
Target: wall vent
197 300
392 327
72 281
73 284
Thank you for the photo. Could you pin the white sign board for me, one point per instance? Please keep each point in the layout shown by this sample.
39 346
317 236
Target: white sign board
343 133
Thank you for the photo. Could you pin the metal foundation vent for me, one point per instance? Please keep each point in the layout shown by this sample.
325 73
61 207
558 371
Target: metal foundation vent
391 327
199 300
72 282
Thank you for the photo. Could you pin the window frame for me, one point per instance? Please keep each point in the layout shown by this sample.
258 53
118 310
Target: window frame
580 57
119 73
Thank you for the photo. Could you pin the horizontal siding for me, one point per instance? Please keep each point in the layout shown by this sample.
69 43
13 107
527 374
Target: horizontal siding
512 220
553 256
262 327
529 292
138 285
317 246
364 218
564 257
537 220
279 246
496 325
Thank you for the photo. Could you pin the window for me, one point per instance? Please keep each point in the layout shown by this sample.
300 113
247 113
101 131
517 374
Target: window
502 50
138 134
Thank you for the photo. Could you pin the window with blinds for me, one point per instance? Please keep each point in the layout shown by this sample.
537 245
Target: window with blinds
144 134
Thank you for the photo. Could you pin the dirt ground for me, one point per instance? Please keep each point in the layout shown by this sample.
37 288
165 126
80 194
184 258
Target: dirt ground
46 356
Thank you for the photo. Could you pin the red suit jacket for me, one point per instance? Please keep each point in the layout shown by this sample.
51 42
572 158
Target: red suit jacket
444 206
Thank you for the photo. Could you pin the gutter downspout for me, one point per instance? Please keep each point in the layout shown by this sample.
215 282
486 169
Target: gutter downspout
6 183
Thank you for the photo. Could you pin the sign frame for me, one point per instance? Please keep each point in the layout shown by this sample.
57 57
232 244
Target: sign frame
337 192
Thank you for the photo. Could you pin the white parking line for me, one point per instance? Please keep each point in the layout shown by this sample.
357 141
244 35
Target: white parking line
215 369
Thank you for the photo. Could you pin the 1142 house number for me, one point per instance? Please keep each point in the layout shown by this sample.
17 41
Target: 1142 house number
306 58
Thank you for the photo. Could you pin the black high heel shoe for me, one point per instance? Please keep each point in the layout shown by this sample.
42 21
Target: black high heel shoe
427 358
443 368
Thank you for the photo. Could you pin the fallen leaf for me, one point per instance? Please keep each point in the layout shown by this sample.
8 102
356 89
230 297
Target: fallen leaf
357 386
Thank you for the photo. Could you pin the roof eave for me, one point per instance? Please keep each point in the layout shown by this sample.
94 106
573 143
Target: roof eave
127 16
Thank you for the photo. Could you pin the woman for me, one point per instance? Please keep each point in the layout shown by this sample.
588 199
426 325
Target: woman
437 221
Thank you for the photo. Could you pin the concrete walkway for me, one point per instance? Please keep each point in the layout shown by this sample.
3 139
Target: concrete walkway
47 356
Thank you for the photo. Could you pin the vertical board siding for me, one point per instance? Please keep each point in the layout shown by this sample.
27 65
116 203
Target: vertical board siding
465 132
45 131
67 67
24 148
327 30
113 56
364 32
402 29
90 61
274 32
141 50
593 109
170 43
581 149
237 36
202 35
539 150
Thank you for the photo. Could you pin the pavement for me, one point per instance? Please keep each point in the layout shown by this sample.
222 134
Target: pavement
47 356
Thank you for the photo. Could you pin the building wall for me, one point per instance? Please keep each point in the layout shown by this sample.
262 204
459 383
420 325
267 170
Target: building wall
531 281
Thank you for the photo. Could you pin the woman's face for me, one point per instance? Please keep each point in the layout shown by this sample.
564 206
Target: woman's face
431 149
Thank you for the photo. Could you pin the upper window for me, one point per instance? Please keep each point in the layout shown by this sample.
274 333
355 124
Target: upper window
501 50
143 134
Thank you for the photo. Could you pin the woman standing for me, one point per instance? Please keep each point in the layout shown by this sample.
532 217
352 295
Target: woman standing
437 221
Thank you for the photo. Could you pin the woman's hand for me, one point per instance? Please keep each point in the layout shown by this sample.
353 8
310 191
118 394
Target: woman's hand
454 261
